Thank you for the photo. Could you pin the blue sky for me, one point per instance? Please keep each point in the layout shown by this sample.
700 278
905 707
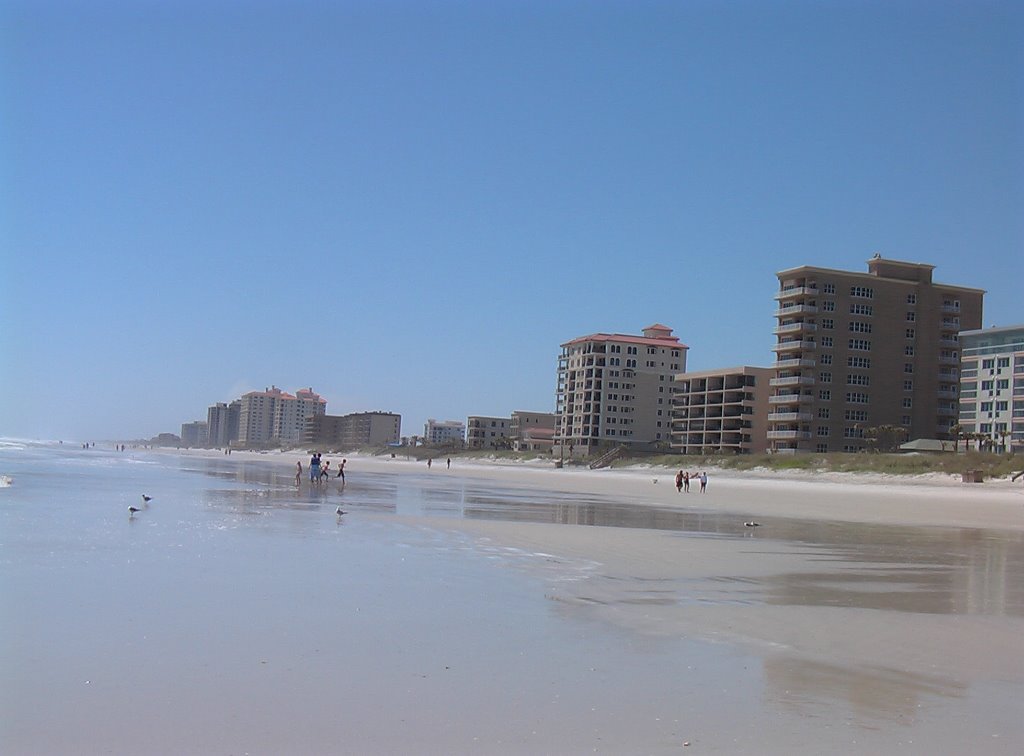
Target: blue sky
408 206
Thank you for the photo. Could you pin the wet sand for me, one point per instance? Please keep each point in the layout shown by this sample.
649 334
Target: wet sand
508 609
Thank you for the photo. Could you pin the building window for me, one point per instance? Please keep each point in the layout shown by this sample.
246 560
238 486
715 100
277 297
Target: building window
828 306
862 344
858 327
856 397
910 333
862 291
828 324
825 395
856 379
856 416
825 377
911 316
861 309
908 351
822 448
823 413
826 341
911 299
822 430
905 420
908 385
908 402
908 367
826 359
829 288
858 362
1004 362
853 433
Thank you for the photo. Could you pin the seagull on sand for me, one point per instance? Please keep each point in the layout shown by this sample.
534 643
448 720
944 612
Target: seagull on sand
752 524
147 499
132 511
338 511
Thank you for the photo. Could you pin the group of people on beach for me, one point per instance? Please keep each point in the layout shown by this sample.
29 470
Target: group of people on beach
683 479
319 469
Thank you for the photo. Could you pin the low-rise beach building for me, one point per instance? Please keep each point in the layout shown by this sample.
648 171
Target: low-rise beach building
485 432
615 389
724 410
194 434
437 432
341 432
992 387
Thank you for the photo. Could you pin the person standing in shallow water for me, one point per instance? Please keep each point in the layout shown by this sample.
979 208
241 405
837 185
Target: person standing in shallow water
429 463
679 481
298 473
703 482
314 468
686 482
341 470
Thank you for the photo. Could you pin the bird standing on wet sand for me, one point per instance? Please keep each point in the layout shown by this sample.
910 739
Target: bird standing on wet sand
752 524
147 499
338 511
132 511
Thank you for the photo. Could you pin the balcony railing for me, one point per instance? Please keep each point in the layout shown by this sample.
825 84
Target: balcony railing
789 346
788 435
795 362
795 309
788 417
797 291
792 380
788 399
795 328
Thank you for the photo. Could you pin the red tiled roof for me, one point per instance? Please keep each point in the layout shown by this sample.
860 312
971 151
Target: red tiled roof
669 342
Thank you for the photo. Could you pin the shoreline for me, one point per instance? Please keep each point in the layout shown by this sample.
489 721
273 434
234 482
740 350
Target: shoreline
932 499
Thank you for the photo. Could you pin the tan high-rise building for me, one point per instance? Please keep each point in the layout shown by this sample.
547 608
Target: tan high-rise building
862 350
615 388
723 410
273 415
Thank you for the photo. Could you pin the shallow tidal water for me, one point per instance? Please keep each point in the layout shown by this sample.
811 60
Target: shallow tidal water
237 613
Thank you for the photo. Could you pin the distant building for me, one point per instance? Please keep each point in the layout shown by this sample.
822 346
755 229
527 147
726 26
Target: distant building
436 432
340 432
532 431
194 434
616 389
483 432
275 416
721 410
861 350
222 423
992 385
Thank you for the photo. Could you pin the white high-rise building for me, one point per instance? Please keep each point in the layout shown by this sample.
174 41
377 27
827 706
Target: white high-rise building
444 431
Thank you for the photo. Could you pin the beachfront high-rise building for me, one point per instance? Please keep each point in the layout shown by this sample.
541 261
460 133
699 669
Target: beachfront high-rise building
863 350
222 423
194 434
615 389
723 410
443 432
992 386
273 415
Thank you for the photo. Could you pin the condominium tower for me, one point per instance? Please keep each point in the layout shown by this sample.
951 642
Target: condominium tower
861 350
274 415
992 386
615 388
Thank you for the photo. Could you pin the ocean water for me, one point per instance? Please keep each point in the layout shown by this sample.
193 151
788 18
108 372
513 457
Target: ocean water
237 613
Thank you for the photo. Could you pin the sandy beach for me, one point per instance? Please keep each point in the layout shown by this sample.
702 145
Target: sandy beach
510 608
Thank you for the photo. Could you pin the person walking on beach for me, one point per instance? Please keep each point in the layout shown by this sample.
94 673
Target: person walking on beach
341 470
686 482
703 482
298 473
449 463
429 463
679 481
314 468
324 471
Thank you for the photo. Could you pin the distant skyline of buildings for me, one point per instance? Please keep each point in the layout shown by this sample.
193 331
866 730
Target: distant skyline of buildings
854 351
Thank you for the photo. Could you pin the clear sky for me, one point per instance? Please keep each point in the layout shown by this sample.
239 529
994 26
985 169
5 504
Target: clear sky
408 206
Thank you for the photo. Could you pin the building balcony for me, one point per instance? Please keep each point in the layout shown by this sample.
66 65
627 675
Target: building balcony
789 417
795 309
789 435
792 346
795 362
789 399
797 291
792 380
948 394
951 308
947 412
795 328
